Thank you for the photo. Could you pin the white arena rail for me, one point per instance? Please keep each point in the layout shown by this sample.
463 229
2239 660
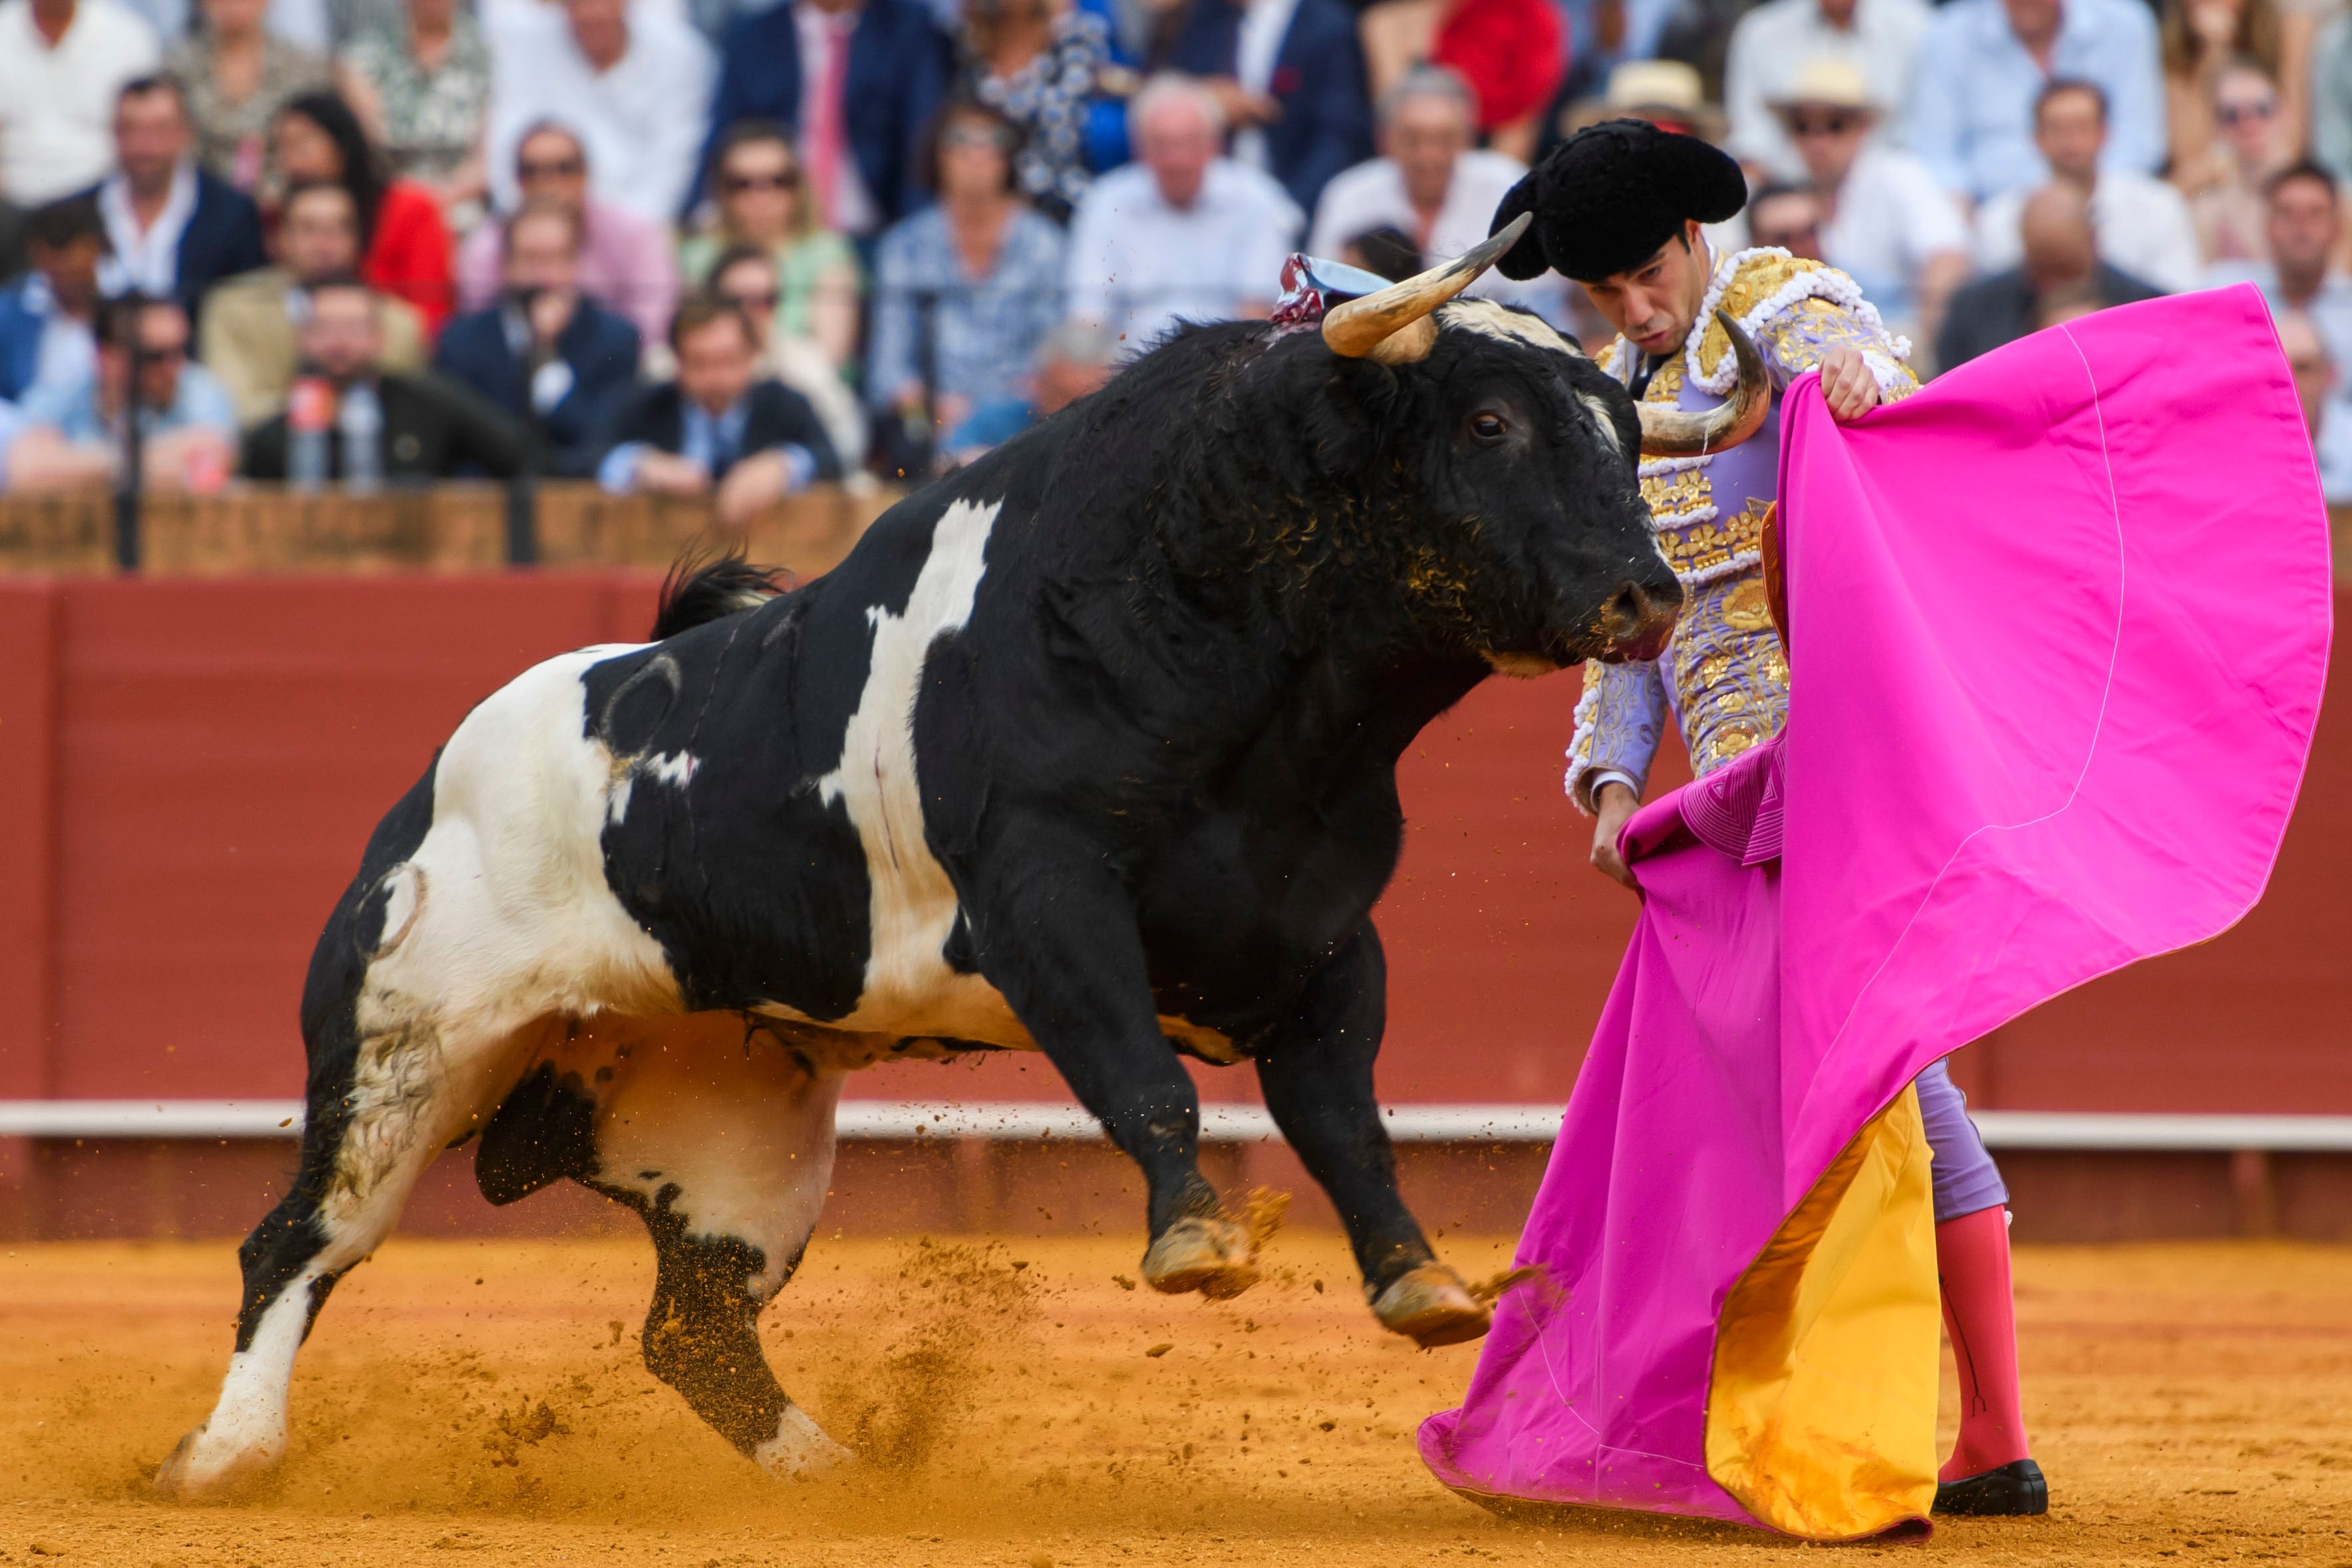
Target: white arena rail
1423 1123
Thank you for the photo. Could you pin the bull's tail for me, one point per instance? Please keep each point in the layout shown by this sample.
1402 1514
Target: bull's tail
703 587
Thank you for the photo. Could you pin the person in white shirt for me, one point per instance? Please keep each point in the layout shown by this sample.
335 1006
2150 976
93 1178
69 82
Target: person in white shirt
2144 225
1879 38
1431 184
1890 226
62 64
2303 230
633 80
1181 233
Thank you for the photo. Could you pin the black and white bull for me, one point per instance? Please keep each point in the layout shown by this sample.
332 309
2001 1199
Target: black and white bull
1087 749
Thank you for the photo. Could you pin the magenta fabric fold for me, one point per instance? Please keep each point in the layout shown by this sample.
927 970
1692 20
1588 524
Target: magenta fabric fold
2060 624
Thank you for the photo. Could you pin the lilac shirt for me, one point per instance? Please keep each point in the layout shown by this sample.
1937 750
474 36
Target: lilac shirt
625 265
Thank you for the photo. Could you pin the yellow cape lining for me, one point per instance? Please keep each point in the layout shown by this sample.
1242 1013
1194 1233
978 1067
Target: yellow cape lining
1820 1412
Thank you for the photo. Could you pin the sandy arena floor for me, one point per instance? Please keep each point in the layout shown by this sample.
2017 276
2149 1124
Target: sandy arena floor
2191 1402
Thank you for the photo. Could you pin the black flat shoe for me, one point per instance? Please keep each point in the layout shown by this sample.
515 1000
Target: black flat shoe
2015 1489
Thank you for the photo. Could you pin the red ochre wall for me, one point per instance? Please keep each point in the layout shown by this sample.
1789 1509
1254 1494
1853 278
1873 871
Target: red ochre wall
189 769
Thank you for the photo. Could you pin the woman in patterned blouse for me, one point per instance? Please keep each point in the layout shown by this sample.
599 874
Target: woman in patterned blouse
1045 67
965 290
237 76
424 94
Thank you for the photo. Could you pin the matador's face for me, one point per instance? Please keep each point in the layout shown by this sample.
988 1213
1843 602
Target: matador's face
1654 304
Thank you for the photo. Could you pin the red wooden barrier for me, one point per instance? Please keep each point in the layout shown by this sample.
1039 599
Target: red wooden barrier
193 767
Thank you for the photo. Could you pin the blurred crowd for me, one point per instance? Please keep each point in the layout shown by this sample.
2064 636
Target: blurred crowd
734 247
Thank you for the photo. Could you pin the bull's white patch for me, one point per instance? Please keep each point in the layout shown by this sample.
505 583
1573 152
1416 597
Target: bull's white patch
1601 416
800 1448
736 1132
246 1433
911 908
1490 320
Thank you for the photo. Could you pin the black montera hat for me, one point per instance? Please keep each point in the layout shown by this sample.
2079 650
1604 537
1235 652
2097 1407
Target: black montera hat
1609 195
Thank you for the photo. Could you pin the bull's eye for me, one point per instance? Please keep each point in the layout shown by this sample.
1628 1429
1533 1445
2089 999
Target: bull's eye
1488 427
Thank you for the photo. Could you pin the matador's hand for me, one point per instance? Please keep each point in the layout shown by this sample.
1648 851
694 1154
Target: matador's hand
1847 384
1614 807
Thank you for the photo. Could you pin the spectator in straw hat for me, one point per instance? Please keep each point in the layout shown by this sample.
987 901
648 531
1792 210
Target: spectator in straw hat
1889 225
1880 38
1669 94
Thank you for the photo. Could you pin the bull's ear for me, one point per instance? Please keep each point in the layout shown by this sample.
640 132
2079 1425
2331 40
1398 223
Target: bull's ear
1348 422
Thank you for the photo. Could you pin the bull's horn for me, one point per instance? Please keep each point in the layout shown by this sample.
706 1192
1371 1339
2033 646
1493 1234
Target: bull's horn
1375 327
1671 432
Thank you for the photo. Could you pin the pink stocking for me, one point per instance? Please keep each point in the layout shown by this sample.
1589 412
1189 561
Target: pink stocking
1972 1260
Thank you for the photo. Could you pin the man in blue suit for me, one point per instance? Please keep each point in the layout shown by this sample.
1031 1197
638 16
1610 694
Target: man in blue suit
858 80
1291 75
175 229
562 364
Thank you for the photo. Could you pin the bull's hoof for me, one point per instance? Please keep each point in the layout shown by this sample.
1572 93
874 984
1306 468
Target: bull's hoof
1213 1255
203 1469
800 1450
1432 1306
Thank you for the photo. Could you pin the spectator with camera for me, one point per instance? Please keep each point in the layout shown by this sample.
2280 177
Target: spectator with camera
352 420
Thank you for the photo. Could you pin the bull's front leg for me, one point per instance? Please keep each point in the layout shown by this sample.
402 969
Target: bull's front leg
1317 1071
1060 941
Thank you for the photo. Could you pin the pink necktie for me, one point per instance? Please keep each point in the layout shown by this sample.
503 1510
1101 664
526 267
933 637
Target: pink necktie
826 149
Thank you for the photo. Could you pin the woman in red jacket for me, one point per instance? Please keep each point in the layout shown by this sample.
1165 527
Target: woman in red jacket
405 245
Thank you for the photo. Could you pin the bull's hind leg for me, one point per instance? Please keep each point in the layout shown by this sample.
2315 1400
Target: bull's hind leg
1316 1072
381 1105
721 1138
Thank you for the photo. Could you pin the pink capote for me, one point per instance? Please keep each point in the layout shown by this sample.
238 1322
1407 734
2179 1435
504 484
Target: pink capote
2061 623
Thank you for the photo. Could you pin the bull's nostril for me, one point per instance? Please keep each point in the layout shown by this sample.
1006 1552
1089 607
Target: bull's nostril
1630 608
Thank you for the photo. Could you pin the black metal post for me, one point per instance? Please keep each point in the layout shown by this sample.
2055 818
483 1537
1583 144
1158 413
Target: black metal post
523 517
131 483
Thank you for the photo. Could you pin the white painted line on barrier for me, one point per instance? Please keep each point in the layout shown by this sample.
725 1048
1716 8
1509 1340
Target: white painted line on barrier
1426 1123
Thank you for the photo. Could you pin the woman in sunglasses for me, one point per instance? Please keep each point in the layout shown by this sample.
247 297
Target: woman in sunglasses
2204 38
965 290
762 203
2228 207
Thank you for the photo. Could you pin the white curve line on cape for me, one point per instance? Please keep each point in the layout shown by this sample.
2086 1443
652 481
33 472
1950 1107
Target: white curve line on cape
2098 725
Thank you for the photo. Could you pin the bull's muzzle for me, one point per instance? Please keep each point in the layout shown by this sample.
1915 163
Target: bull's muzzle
1636 620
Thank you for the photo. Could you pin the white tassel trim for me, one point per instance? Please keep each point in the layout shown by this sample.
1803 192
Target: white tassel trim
1891 376
1814 283
1746 560
1659 468
1704 512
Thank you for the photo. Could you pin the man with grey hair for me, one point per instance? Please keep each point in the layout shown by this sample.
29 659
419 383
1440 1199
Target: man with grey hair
1183 234
1430 183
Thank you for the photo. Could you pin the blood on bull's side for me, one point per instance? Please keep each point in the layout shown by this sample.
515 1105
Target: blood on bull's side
1088 749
